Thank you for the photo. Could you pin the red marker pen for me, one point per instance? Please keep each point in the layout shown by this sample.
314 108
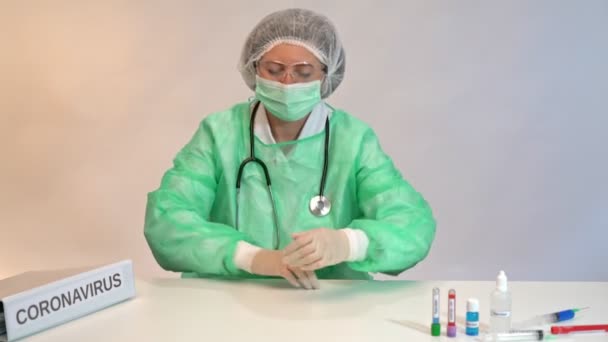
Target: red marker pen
566 329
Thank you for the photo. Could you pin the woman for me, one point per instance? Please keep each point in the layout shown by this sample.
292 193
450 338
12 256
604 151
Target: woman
324 202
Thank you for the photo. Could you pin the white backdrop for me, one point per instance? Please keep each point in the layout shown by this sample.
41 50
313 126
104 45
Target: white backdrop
495 110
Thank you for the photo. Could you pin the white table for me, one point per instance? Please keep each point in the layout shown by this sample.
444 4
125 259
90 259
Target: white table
270 310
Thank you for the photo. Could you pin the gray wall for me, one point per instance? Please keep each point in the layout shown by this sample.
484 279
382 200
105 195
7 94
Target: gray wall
495 110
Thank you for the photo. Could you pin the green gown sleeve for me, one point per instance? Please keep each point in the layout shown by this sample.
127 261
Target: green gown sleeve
177 226
396 219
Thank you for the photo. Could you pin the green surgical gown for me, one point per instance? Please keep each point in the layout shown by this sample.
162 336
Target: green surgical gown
190 219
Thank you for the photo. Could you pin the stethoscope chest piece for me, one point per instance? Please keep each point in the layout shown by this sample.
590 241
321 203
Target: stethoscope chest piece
320 206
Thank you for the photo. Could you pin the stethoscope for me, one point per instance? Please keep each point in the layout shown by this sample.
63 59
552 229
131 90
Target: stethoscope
319 205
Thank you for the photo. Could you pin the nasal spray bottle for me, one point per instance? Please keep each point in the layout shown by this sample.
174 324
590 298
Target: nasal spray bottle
500 306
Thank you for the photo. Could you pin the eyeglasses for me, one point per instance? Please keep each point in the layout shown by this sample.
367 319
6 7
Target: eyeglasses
299 72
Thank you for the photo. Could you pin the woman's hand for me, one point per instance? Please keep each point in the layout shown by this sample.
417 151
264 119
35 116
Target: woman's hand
270 263
317 248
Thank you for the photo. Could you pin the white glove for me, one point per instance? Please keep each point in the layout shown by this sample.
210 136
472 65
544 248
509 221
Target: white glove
270 263
317 248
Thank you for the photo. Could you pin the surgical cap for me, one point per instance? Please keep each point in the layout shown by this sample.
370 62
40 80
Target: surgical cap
298 27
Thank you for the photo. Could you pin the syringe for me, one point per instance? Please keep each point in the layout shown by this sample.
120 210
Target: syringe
554 317
521 335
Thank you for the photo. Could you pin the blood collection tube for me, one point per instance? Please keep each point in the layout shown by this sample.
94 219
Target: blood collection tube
452 313
435 325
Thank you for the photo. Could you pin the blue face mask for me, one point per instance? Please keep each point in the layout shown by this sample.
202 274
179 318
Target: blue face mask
288 102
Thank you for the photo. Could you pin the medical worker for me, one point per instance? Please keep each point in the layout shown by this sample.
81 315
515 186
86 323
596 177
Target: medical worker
285 185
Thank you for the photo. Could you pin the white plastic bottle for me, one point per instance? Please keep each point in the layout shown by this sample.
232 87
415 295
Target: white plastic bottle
500 306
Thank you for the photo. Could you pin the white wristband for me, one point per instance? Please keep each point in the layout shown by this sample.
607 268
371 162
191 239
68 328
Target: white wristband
243 256
358 242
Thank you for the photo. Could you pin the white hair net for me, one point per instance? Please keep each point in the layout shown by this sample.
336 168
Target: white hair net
299 27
